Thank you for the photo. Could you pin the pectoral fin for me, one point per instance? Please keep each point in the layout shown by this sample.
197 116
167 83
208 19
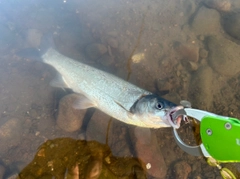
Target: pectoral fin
59 82
129 113
82 102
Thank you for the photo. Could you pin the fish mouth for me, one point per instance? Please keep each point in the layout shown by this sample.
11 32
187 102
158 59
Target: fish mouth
174 118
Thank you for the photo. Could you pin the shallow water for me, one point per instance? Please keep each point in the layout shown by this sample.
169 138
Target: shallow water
179 49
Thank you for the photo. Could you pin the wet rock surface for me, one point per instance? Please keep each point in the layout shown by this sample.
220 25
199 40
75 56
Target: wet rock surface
223 55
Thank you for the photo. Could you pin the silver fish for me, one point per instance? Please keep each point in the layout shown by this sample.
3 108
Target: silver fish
110 94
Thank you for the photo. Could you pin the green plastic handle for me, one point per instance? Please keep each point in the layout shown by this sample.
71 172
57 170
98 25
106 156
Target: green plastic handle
221 137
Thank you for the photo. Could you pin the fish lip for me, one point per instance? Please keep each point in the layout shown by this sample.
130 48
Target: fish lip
175 123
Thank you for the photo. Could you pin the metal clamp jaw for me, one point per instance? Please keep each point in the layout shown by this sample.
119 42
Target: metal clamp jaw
220 136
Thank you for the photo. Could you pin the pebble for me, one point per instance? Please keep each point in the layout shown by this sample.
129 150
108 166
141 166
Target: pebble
206 26
223 55
231 23
182 170
95 50
187 52
192 66
203 53
69 119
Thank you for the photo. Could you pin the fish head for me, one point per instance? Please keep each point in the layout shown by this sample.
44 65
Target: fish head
156 112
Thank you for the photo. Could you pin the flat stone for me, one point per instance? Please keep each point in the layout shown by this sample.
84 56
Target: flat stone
224 55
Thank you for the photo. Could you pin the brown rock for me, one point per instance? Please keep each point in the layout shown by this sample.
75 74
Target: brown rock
187 52
206 26
231 23
69 119
148 151
181 170
224 55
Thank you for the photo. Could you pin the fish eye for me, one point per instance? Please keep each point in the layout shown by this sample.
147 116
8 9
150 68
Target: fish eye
159 105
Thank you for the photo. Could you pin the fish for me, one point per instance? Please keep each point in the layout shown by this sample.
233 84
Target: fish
112 95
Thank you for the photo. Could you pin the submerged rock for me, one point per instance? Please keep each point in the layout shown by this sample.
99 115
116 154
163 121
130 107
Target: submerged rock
188 52
220 5
206 22
10 134
69 119
98 127
69 158
224 55
231 23
182 170
200 92
148 151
